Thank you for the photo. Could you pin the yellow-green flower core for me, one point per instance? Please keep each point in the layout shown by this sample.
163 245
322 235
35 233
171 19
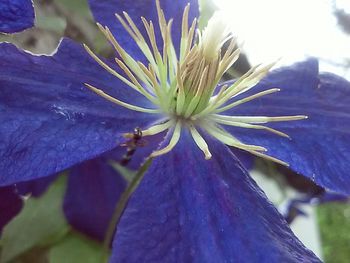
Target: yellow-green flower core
182 88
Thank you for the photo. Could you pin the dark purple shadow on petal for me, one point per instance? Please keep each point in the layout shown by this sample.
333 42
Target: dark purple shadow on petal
188 209
16 15
320 146
10 204
104 10
50 121
299 182
92 194
36 187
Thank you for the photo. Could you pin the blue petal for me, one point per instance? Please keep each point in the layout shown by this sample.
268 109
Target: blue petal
188 209
49 120
94 188
247 160
16 15
320 146
332 197
10 204
104 13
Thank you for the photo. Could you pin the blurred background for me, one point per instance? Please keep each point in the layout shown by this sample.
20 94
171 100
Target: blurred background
267 30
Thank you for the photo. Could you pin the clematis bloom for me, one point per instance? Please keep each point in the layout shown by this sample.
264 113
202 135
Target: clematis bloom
188 207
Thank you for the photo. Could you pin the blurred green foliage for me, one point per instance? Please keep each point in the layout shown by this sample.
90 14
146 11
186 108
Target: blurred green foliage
41 234
334 222
75 248
40 223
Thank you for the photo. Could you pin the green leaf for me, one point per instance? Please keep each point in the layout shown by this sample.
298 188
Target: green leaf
40 223
334 224
75 248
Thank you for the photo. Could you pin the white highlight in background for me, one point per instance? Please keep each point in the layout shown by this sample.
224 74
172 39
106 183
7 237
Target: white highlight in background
293 30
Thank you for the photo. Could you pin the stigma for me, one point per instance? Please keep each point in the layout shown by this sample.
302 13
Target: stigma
184 86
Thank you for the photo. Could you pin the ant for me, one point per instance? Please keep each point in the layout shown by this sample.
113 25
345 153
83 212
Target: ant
135 140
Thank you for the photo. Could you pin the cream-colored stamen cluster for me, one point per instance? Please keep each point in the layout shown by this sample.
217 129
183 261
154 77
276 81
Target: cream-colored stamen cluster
182 86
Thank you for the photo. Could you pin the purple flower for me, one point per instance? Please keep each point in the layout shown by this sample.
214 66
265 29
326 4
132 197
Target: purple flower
16 15
187 208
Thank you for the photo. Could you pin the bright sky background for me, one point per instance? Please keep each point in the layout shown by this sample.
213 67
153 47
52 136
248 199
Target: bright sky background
289 29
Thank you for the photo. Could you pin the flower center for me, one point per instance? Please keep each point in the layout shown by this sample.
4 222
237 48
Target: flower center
186 88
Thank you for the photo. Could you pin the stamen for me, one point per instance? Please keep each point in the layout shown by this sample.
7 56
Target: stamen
152 38
183 88
226 95
213 106
112 71
180 99
217 97
260 119
268 157
152 76
184 32
119 102
247 99
186 35
136 83
161 20
157 128
128 60
196 99
137 36
133 26
190 36
201 143
251 126
227 61
246 82
173 141
172 57
228 139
